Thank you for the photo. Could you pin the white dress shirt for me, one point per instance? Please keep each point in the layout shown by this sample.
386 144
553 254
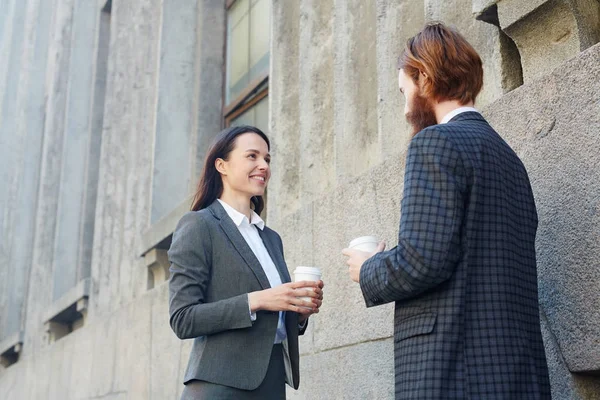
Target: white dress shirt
249 231
454 113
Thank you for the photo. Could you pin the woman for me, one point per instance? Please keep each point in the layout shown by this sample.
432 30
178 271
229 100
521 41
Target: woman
230 288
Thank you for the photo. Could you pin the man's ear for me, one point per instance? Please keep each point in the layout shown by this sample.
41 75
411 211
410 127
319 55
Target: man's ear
220 166
423 78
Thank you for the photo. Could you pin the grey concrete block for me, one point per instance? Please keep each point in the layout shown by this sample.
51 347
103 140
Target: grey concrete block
549 32
211 27
60 370
316 75
158 267
54 80
171 180
122 210
133 364
104 358
362 371
284 118
346 213
553 125
396 22
80 378
68 264
355 87
165 349
10 383
565 385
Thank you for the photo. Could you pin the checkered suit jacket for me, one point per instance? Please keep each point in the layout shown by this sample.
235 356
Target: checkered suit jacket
463 274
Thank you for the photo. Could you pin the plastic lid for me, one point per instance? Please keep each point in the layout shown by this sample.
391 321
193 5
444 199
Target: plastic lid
307 270
363 239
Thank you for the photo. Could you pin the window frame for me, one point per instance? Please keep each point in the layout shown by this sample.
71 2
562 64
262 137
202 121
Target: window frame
250 95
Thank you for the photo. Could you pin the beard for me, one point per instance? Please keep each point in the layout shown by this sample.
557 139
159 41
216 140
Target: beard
422 114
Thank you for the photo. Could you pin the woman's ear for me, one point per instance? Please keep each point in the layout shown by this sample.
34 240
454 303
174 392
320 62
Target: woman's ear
220 165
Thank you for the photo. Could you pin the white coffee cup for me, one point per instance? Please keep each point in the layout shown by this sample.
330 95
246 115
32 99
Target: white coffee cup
307 274
364 243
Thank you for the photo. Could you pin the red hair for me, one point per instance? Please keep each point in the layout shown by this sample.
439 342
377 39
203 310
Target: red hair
451 67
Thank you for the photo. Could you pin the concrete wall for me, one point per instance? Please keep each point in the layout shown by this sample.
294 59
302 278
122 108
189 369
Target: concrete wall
339 142
84 97
353 168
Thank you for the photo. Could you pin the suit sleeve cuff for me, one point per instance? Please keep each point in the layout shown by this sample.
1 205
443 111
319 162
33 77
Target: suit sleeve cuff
302 325
367 282
252 314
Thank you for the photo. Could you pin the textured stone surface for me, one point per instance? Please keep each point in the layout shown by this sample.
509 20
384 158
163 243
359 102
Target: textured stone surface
332 84
24 174
355 87
564 384
553 125
283 107
316 235
316 72
363 371
549 32
189 97
396 22
68 265
122 210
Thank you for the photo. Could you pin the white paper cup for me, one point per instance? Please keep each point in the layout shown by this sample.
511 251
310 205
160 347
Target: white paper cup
307 274
364 243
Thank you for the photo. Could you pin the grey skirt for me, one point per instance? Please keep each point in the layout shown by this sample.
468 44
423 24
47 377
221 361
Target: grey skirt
271 388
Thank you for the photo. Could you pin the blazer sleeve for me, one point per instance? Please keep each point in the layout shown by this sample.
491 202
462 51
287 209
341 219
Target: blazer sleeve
190 256
433 203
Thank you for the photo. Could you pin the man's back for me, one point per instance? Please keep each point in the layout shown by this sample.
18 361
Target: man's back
464 272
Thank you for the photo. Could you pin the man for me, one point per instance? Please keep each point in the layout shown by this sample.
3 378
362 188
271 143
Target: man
463 274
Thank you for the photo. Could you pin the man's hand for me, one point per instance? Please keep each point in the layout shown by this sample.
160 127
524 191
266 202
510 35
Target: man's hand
357 258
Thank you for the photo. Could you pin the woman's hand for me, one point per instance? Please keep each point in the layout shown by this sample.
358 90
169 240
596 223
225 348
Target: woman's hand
304 317
287 297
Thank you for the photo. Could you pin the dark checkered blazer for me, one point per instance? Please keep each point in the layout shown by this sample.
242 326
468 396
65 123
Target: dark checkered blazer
463 274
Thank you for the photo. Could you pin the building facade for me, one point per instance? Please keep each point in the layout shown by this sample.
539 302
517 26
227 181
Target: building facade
107 108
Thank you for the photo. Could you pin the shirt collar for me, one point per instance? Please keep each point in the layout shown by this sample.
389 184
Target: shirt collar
238 218
455 112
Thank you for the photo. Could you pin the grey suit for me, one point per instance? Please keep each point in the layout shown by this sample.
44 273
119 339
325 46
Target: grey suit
212 271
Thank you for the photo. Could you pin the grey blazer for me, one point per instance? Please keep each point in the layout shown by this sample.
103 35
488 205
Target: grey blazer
212 271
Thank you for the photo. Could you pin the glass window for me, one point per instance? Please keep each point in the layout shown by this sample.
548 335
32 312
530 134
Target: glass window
248 47
257 115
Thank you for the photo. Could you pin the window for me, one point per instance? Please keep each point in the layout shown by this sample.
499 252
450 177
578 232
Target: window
247 63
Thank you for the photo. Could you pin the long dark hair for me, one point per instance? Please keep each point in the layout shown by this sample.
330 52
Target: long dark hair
210 186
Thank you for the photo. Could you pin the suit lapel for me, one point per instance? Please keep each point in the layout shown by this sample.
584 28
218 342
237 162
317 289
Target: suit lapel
239 243
276 256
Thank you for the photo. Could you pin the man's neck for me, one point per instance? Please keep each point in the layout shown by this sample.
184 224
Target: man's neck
442 108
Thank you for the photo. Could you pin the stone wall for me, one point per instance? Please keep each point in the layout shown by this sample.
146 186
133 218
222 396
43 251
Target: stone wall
88 99
339 142
353 165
